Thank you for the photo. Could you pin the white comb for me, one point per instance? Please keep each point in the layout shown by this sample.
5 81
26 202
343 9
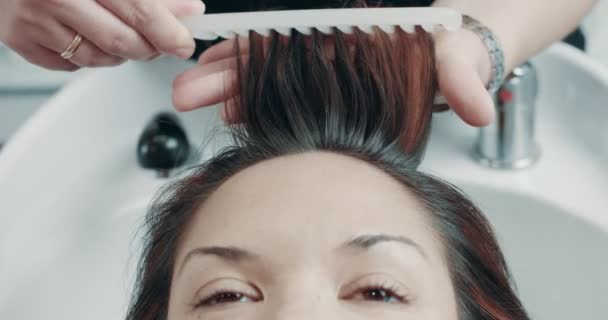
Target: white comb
228 25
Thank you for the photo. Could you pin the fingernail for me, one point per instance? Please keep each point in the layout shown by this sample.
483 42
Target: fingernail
185 53
203 58
223 114
197 7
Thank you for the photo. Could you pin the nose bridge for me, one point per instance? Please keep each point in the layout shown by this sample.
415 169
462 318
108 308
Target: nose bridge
300 307
304 297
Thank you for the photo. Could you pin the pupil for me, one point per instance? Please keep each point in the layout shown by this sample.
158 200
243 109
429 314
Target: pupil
228 296
379 295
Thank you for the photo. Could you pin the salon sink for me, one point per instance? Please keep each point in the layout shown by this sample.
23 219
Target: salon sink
552 218
23 88
558 259
73 195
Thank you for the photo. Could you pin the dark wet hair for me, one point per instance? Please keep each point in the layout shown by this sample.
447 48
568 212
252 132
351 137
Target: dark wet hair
369 98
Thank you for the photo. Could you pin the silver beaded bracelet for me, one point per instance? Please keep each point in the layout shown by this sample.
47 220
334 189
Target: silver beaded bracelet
495 51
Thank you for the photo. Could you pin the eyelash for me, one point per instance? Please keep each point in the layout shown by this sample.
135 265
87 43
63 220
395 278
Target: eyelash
211 300
389 292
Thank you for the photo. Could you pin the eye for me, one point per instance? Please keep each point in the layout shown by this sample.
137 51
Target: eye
380 294
377 288
223 292
224 297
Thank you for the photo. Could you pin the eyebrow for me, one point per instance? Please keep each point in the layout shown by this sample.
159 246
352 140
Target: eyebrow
230 254
238 255
366 242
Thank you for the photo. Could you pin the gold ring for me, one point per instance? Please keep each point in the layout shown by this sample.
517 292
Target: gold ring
71 49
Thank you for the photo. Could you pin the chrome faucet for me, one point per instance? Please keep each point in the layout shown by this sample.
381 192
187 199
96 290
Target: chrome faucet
509 142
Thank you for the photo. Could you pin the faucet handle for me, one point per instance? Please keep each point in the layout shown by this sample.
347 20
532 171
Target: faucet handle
163 145
519 89
509 142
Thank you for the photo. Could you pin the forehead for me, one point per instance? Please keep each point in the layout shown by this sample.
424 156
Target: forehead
309 198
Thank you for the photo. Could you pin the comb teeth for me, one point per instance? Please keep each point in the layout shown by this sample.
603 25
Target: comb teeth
346 29
263 32
284 31
408 28
226 34
208 36
231 34
242 32
387 29
428 27
326 21
325 30
304 30
366 29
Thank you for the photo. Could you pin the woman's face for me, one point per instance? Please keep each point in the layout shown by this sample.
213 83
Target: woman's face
311 236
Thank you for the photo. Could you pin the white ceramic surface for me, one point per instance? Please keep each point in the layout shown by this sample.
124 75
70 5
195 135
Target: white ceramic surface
595 27
16 74
72 195
23 89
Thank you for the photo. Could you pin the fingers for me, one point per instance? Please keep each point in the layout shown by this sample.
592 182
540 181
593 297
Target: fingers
156 23
123 29
183 8
223 50
105 30
210 68
465 92
202 91
205 85
58 37
212 80
45 57
458 57
228 112
35 53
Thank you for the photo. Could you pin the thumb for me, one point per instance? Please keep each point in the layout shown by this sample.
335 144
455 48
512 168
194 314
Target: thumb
182 8
465 93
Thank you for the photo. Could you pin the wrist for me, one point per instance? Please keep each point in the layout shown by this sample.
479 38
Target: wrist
497 46
465 46
479 51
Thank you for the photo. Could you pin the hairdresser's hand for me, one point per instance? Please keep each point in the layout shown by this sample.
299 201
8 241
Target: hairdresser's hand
112 30
463 67
205 84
